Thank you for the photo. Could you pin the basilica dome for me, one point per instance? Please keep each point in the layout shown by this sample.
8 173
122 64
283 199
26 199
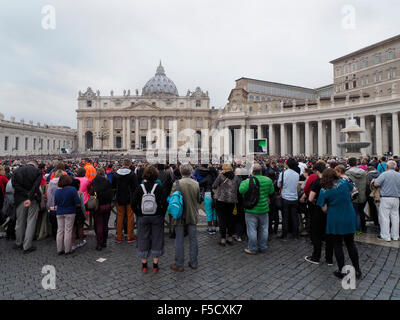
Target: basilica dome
160 84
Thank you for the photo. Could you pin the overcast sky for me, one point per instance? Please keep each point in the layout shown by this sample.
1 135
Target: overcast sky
117 45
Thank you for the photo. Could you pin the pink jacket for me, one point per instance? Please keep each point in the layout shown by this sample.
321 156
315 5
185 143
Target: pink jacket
84 187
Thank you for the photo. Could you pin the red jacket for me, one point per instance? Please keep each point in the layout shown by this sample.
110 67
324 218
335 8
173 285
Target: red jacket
3 183
307 186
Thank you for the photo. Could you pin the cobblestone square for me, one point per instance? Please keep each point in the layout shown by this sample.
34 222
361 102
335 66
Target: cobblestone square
224 273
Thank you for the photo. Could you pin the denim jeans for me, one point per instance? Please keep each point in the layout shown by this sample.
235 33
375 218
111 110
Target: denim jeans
257 231
179 245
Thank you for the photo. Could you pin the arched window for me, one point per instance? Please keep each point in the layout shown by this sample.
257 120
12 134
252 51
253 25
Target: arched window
88 140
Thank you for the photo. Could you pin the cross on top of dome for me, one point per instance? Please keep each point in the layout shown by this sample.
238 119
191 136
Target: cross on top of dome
160 70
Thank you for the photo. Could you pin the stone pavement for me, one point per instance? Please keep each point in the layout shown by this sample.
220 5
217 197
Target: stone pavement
223 273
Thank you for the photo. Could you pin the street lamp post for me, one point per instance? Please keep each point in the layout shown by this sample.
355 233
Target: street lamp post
102 135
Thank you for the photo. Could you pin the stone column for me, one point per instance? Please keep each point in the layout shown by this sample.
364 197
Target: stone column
362 135
243 140
307 146
334 138
97 142
137 138
378 134
385 134
283 140
295 140
320 139
271 137
128 131
111 139
395 134
259 132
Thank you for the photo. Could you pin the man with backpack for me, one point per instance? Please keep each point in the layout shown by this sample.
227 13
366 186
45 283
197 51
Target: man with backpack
190 191
256 191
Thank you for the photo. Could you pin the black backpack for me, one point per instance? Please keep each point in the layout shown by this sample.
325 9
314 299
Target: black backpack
253 194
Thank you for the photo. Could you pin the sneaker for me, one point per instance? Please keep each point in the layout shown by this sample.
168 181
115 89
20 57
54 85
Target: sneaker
80 245
192 267
176 268
144 270
358 233
5 222
249 252
130 240
31 249
311 260
117 240
155 270
75 247
380 238
329 263
339 274
238 239
395 239
210 231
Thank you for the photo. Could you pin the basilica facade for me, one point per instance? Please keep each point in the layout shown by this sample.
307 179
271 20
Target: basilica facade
294 120
122 123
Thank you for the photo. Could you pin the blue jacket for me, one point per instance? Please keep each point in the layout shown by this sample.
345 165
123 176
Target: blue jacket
66 200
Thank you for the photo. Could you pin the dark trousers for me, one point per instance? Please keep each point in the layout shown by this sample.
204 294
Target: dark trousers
373 211
101 218
53 222
273 219
240 224
150 233
290 212
225 216
359 207
317 233
10 234
351 249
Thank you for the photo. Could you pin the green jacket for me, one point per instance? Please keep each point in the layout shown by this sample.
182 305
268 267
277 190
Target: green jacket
266 189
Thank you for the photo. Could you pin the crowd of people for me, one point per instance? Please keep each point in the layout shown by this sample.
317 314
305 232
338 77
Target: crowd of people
330 200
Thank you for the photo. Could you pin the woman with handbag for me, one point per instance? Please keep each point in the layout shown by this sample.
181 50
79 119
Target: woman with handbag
104 194
335 200
65 199
226 186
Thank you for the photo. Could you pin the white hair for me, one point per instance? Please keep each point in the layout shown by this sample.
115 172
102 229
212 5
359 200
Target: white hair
391 165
